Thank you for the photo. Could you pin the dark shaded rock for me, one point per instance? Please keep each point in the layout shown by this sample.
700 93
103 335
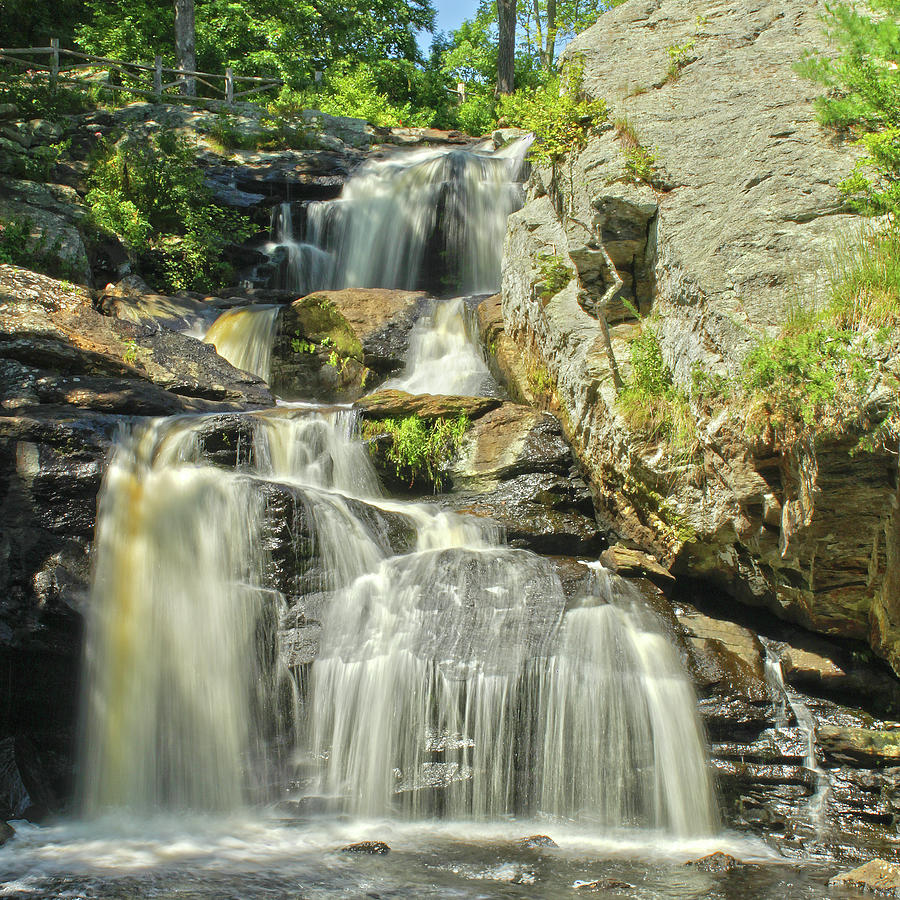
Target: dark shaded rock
25 788
878 876
48 324
715 862
538 842
398 404
7 832
375 848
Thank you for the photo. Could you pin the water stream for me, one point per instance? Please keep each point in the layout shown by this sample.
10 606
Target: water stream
454 680
432 219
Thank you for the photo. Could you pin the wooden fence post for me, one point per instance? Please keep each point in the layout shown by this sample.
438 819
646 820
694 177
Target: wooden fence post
229 86
54 61
157 77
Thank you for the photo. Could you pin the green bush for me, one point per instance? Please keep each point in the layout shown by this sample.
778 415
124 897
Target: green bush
807 379
558 113
420 451
151 194
652 404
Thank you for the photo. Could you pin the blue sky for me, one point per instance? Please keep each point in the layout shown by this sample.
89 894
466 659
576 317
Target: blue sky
450 14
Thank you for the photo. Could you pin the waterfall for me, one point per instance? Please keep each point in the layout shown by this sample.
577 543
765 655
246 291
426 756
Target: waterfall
304 267
176 682
430 219
806 723
244 337
453 676
450 678
442 357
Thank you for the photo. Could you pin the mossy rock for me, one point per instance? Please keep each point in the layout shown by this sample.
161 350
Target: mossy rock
316 354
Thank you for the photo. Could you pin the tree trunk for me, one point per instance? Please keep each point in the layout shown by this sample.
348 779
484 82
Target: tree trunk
506 50
551 34
540 32
185 50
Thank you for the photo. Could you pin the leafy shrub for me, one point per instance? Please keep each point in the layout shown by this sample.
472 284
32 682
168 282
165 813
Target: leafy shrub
477 115
651 403
151 194
353 92
558 113
555 274
679 56
420 451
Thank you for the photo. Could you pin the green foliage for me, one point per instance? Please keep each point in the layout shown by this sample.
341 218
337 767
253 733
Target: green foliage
555 274
679 56
151 194
874 186
652 404
353 91
864 94
36 100
808 377
862 76
639 161
20 246
287 39
420 451
273 133
558 113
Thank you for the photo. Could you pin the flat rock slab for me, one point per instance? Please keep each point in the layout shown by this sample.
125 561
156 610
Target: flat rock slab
865 747
877 876
631 563
399 404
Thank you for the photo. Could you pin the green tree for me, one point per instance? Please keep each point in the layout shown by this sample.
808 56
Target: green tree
863 77
288 39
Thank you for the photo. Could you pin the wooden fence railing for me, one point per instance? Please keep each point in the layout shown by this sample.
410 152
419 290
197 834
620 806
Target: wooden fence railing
144 80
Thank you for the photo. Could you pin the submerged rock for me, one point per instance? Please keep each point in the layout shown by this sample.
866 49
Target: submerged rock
537 842
602 884
374 848
7 832
715 862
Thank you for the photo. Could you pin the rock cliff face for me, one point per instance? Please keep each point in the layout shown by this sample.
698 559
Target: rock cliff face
742 215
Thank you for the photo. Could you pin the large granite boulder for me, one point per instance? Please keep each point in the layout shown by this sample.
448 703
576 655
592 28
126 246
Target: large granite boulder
741 214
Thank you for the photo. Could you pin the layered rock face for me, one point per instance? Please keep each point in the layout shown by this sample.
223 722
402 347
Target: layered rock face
741 218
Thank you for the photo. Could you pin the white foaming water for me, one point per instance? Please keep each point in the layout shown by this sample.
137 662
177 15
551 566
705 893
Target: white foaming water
244 337
435 209
442 358
178 693
306 267
451 680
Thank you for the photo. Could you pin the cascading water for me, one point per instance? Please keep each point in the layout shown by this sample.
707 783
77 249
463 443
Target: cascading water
244 337
432 219
806 723
442 357
176 684
302 267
